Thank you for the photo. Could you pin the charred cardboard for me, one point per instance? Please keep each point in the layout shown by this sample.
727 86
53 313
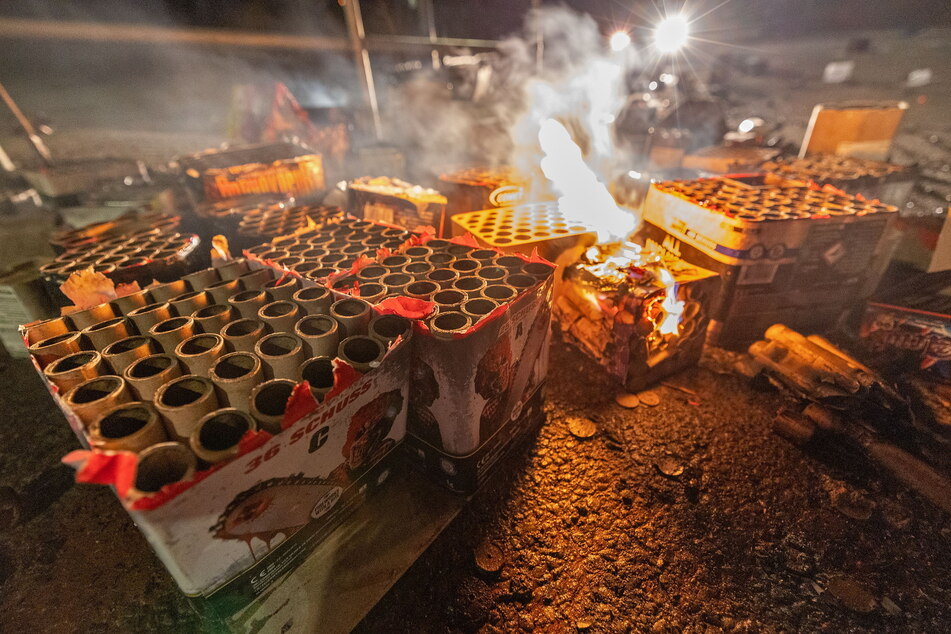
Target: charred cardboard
632 350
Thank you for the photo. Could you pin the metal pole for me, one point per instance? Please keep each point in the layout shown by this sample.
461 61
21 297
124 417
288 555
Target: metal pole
539 38
5 161
35 138
428 16
362 57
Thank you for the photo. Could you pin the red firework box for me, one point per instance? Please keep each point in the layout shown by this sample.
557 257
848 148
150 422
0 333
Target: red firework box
477 386
481 322
232 529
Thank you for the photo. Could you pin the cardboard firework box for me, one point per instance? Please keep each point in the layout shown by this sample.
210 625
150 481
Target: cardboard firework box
887 182
785 252
478 393
478 188
268 168
230 531
904 339
860 129
640 316
395 202
477 385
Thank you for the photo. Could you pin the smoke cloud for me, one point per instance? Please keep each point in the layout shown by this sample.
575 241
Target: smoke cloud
580 84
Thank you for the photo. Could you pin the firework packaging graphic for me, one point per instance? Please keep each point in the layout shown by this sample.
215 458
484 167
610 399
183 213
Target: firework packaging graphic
905 339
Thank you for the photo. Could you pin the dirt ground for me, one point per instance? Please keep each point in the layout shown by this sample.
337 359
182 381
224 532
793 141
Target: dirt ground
687 516
690 516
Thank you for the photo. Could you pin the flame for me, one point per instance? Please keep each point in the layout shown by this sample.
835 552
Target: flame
583 197
673 308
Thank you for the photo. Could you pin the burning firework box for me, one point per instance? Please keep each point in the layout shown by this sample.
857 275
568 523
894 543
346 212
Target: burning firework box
396 202
477 188
641 316
903 339
477 393
785 252
230 531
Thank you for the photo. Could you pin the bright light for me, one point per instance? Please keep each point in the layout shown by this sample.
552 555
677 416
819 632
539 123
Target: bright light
746 125
582 196
620 41
671 34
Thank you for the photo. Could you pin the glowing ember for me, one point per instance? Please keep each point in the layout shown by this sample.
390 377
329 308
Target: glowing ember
582 196
673 308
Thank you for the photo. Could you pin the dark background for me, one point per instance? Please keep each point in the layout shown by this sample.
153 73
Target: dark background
491 19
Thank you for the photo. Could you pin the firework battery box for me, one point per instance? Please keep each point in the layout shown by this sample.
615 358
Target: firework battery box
475 189
890 183
534 227
274 168
233 530
477 396
617 315
395 202
785 252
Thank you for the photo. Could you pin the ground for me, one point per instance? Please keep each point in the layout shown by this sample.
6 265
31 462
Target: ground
688 516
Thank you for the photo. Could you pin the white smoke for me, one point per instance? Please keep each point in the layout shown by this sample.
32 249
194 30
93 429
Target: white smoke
580 84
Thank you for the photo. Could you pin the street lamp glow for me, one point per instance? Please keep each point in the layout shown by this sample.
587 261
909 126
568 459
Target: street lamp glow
620 40
671 34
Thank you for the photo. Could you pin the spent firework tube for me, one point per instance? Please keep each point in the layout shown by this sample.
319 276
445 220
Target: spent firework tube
146 375
218 435
184 401
282 353
243 334
128 427
236 375
71 370
199 353
269 402
123 353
